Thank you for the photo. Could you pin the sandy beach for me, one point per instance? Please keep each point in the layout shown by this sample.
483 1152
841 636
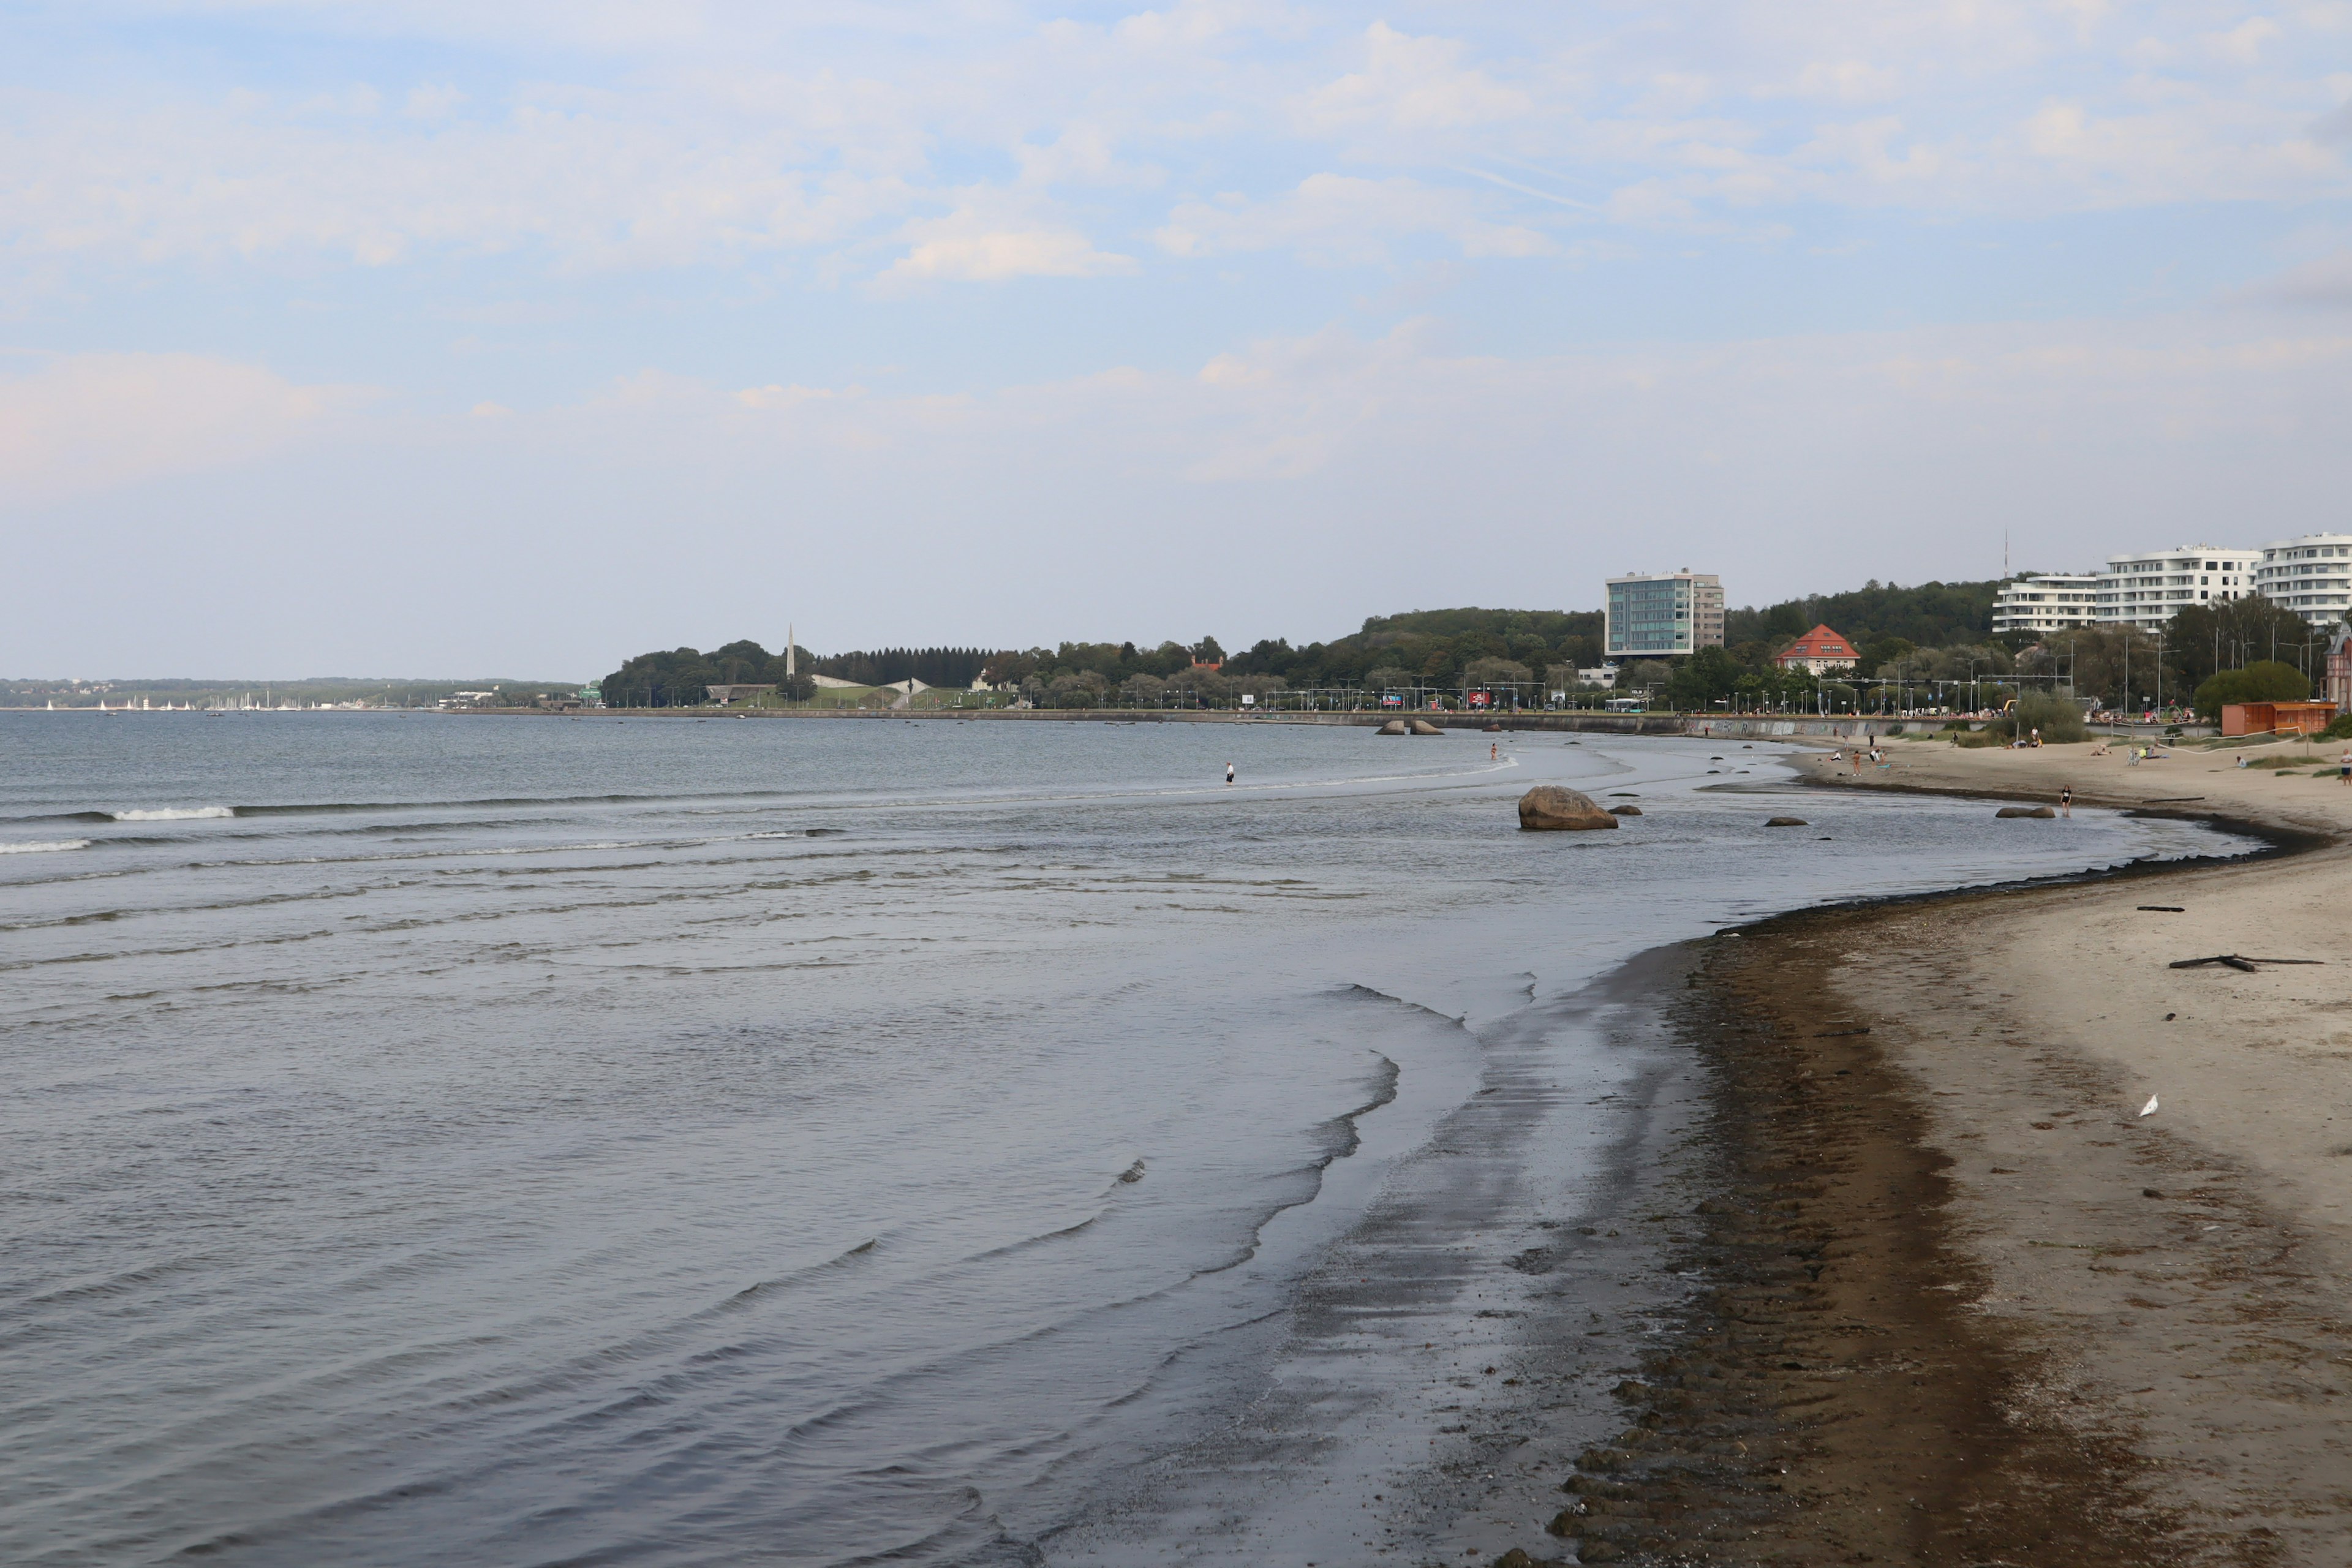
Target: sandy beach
1967 1304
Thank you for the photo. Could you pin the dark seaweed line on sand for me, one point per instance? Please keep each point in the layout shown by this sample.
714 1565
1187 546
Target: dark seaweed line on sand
1825 1396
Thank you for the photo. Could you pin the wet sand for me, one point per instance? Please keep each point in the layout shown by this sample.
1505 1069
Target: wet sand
1959 1303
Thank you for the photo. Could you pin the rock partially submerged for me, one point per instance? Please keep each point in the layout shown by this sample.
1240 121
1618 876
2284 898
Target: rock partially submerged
1624 811
1393 727
1787 822
1424 726
2042 811
1550 808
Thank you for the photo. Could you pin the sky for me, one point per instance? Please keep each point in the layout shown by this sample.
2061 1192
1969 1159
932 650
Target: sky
427 337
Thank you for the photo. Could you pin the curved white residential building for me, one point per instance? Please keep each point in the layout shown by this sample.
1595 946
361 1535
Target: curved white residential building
2146 591
2311 575
2046 601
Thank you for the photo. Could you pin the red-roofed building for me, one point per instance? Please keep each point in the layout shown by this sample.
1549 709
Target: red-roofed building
1820 650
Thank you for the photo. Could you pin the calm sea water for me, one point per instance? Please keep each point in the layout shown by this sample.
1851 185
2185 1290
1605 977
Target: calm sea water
438 1139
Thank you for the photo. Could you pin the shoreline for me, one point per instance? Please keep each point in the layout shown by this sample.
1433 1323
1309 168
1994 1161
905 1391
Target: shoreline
1958 1303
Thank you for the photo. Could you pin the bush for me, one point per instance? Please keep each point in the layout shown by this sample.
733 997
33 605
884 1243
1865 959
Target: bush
2264 680
2060 719
2339 730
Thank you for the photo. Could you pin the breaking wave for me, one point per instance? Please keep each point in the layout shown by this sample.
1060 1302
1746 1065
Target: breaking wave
174 813
44 848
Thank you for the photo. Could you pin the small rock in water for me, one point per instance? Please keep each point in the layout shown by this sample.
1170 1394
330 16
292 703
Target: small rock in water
1624 811
1133 1172
2041 811
1393 727
1787 822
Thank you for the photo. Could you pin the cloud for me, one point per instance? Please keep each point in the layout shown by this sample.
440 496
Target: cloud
1000 255
1333 219
86 423
800 139
1414 84
2324 284
2245 42
1841 81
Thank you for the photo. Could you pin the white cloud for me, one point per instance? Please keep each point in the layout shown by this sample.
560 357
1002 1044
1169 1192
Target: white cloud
2245 42
1341 218
1414 84
2326 283
725 132
997 255
1841 82
84 423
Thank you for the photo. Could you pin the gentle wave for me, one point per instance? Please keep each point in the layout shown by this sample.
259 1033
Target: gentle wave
44 848
174 814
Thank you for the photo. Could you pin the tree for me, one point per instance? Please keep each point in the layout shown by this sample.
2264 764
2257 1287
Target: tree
1077 689
1930 615
679 678
1497 673
2205 639
1206 687
2264 680
1699 681
1881 651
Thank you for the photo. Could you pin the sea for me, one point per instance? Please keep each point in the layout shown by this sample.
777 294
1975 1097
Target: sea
436 1140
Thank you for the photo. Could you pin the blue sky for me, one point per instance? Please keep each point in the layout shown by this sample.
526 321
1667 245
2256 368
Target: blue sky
413 336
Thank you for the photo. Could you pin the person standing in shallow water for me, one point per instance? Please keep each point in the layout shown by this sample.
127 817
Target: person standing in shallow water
2066 800
1229 773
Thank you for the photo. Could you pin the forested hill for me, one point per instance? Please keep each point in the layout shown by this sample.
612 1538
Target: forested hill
1530 647
1932 615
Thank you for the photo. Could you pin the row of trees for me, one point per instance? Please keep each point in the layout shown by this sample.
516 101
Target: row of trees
1917 645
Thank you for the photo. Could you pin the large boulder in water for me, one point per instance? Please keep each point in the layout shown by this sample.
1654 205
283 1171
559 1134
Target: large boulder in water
1424 726
1551 807
1393 727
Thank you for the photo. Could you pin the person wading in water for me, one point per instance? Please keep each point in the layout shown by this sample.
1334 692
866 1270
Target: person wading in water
1229 773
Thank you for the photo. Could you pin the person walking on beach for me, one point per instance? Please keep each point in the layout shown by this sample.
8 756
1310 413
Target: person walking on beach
2343 768
1229 773
2066 800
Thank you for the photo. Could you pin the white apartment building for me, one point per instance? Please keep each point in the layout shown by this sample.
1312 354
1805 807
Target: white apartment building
2311 575
1652 614
2046 601
2146 591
